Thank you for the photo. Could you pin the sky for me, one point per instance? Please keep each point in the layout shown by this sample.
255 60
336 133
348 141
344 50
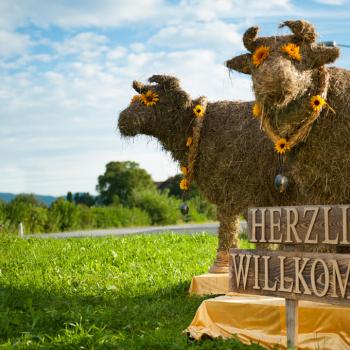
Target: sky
66 69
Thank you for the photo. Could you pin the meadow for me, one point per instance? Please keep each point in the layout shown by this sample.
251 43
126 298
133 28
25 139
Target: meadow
105 293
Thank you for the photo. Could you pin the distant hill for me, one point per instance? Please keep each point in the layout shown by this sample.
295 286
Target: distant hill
7 197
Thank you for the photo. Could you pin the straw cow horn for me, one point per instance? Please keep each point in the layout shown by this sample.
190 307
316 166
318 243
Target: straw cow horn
138 86
302 30
165 80
249 38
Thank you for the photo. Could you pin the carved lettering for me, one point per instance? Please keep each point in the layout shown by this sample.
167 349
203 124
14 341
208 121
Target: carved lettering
266 280
315 211
242 272
315 280
338 278
274 225
299 276
291 225
282 288
255 225
327 239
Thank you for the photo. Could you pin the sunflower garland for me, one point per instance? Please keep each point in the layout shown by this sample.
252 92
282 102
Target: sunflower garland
189 141
192 143
257 110
260 55
283 145
292 50
198 111
149 98
135 98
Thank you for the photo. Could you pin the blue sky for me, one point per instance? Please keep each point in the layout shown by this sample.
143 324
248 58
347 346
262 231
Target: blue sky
67 66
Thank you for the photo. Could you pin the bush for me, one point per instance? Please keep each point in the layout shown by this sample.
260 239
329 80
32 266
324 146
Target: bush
119 216
162 209
63 216
26 209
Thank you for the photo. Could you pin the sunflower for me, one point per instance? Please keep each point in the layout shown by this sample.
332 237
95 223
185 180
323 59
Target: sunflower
135 98
317 102
184 170
189 141
184 184
198 111
149 98
257 110
292 50
281 146
260 55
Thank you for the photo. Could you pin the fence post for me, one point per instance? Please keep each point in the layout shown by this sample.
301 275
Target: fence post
21 230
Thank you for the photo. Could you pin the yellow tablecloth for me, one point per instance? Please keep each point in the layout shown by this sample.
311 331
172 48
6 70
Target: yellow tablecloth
209 283
262 320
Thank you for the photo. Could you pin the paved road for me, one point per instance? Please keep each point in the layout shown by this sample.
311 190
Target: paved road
186 229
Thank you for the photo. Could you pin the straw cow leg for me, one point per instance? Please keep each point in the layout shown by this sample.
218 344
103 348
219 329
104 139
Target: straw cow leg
228 235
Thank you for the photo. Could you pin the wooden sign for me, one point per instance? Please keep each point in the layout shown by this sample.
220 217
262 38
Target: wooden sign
292 275
300 225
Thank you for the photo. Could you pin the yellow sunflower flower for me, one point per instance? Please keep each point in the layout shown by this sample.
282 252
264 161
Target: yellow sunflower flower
317 102
149 98
292 50
189 141
198 111
260 55
184 184
257 110
135 98
184 170
281 146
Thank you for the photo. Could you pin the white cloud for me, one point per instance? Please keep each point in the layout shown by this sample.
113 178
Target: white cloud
332 2
12 43
216 35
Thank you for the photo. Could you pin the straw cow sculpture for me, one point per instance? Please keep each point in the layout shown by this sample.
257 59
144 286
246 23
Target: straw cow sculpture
232 166
303 106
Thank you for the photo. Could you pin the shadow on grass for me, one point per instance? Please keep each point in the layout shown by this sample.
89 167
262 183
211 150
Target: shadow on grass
34 319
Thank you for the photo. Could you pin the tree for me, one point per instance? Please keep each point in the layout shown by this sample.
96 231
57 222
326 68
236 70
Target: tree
69 196
27 209
84 198
172 185
63 215
120 180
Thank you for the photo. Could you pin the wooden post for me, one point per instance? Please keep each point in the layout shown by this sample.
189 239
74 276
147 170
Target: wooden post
21 230
292 317
292 322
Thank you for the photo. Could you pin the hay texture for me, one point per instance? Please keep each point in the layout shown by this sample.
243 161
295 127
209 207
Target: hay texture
235 166
319 163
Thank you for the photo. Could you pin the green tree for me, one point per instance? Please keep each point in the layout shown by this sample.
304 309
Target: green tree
27 209
84 198
172 185
63 215
120 180
161 208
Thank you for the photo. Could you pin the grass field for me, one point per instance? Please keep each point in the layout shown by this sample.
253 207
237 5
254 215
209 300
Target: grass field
105 293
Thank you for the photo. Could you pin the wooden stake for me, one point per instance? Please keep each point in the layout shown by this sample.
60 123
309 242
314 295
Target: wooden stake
292 322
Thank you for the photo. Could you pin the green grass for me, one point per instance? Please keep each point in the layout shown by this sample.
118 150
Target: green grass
104 293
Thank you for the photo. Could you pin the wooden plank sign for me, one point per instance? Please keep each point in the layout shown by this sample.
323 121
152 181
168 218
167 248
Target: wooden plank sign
293 275
314 224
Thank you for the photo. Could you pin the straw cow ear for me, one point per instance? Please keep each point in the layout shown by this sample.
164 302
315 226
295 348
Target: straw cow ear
323 55
240 63
166 81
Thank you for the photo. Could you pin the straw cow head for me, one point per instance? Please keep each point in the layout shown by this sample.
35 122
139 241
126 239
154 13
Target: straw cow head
155 106
282 67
